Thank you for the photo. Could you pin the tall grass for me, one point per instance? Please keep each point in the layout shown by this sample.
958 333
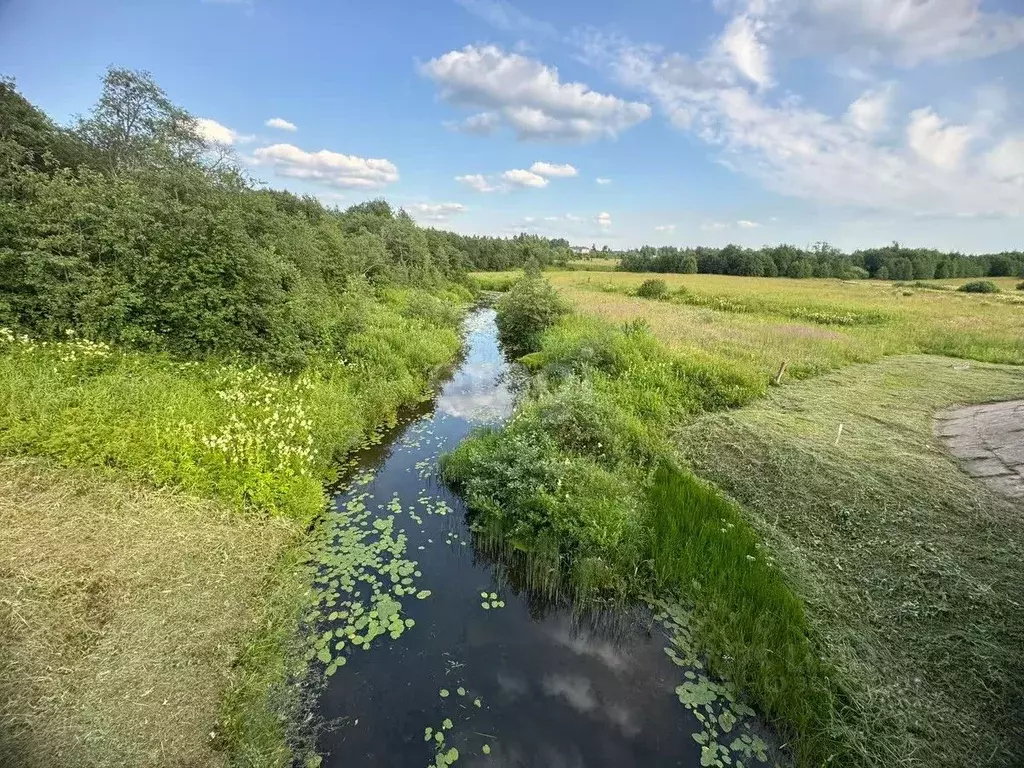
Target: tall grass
264 441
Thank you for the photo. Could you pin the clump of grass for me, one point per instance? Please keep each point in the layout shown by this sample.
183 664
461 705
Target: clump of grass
652 289
979 286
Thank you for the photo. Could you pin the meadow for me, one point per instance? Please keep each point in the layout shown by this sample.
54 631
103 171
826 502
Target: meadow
832 580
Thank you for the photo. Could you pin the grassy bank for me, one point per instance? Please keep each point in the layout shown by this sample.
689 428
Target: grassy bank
121 615
253 441
587 473
909 568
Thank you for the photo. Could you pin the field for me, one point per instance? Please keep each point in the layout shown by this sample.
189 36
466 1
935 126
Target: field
815 326
896 622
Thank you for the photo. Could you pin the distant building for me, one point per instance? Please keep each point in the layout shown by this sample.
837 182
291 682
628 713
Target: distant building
582 249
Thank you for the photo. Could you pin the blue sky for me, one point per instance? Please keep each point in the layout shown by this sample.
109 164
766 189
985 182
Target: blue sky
686 122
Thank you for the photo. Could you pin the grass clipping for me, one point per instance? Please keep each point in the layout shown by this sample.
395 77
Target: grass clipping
122 611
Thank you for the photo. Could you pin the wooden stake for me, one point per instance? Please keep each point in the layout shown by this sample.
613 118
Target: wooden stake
781 373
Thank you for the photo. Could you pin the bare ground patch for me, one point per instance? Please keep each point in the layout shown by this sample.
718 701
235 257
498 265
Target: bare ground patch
121 611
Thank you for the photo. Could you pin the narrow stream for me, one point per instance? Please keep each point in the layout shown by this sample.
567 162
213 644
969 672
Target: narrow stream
506 675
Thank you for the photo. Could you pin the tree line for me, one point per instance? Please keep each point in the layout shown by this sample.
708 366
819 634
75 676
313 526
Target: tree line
128 227
891 262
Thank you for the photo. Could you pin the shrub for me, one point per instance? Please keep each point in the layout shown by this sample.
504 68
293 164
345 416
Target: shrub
979 286
1020 285
529 308
652 289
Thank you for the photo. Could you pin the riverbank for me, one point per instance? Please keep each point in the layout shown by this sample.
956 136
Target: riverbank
594 472
251 448
909 567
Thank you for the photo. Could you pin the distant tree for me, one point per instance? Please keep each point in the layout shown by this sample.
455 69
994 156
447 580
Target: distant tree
800 268
689 265
882 273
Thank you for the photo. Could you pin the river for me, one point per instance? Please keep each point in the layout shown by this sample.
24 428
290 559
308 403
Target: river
508 675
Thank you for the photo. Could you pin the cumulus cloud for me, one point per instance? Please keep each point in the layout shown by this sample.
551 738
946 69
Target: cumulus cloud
520 178
327 167
747 224
281 124
933 140
553 169
215 133
482 124
603 219
869 113
476 181
435 211
527 96
665 228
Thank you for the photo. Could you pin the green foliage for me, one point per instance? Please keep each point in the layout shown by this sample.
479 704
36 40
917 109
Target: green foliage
526 311
979 286
894 262
263 440
156 243
652 289
1020 286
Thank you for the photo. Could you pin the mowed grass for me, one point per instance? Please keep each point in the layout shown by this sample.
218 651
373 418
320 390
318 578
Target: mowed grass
815 326
910 570
121 613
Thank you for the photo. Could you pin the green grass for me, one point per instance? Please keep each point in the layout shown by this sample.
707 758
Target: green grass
261 443
910 569
123 608
572 476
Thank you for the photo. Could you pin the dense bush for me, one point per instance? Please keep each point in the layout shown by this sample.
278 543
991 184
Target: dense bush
979 286
652 289
529 308
1020 286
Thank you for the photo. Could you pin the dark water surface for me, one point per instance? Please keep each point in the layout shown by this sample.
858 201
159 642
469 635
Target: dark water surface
540 687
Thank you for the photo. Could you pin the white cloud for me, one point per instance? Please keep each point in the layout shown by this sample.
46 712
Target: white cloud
665 228
800 151
215 133
747 53
528 96
714 226
327 167
482 124
1006 160
603 181
281 124
553 169
905 31
870 112
476 181
747 224
603 219
933 140
521 178
435 211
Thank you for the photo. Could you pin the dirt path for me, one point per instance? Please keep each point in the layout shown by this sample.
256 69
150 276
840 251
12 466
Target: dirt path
989 441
